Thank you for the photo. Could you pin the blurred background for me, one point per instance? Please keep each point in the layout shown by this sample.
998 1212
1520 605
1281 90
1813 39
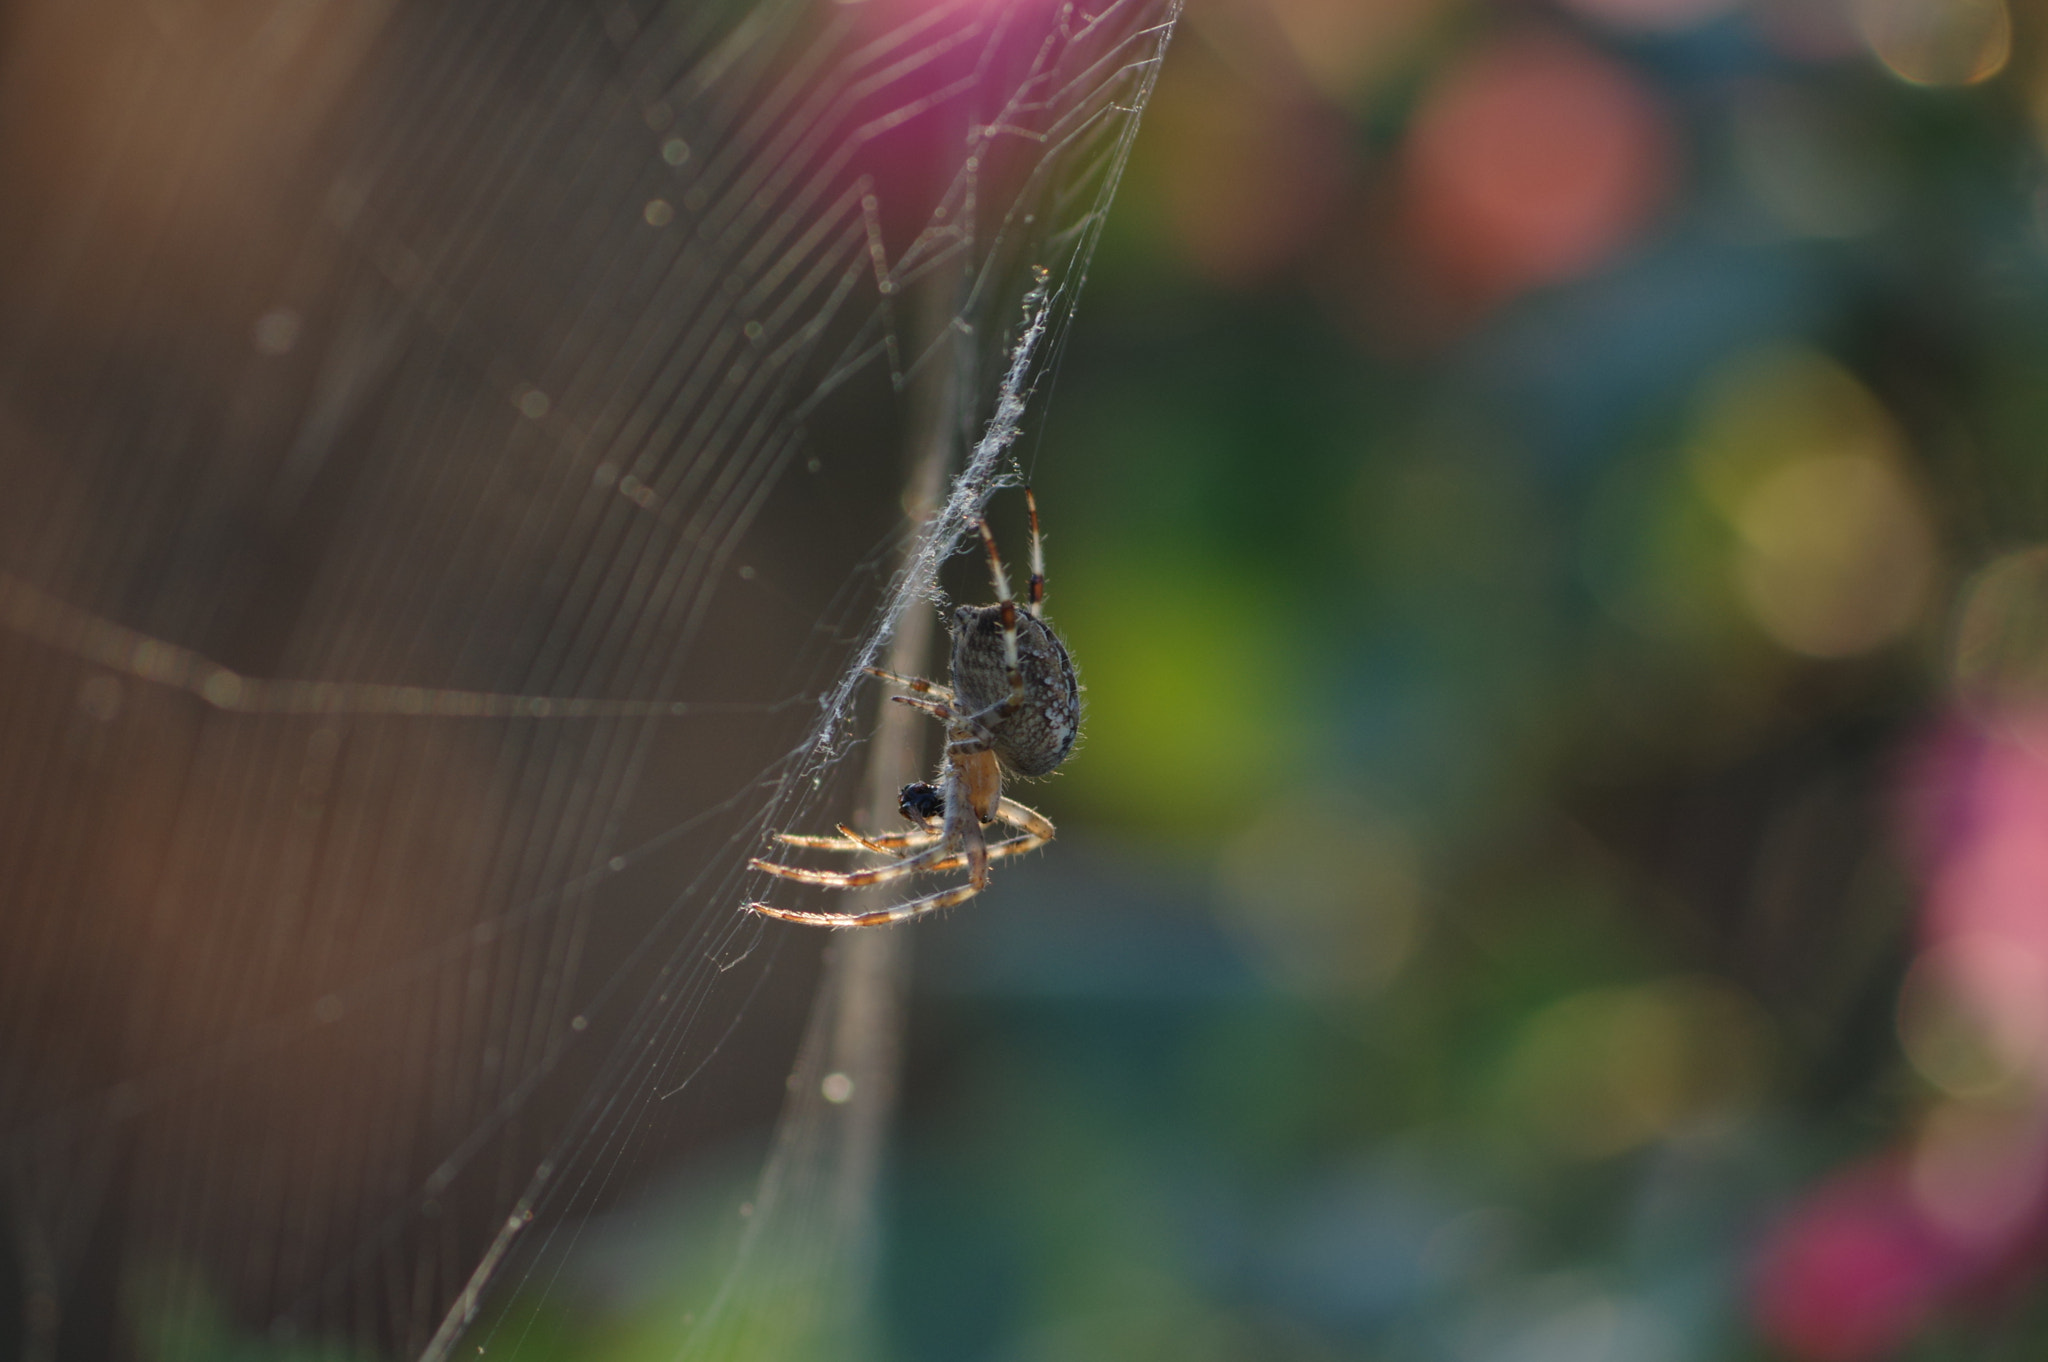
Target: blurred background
1549 502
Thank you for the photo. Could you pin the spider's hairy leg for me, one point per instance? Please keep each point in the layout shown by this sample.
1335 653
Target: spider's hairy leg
858 879
974 851
914 683
995 561
902 912
1011 672
891 841
1031 821
997 851
1037 831
1035 594
970 793
1034 831
937 709
849 840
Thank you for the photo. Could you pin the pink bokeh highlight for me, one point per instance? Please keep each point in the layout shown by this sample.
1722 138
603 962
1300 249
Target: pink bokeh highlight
1850 1272
1984 830
1947 1218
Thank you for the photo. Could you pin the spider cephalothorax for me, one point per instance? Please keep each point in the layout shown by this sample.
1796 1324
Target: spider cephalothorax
1014 707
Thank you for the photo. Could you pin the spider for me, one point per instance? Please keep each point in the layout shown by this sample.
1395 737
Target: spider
1013 708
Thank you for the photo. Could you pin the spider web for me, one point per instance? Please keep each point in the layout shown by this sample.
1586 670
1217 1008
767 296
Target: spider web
455 463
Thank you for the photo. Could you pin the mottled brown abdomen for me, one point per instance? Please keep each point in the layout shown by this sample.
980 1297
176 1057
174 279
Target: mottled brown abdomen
1035 737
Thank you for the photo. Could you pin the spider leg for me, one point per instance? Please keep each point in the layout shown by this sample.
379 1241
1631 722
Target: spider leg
1038 831
892 841
849 840
1036 591
997 851
916 683
855 842
1036 828
1011 671
856 879
973 847
936 708
902 912
995 561
1030 821
1034 831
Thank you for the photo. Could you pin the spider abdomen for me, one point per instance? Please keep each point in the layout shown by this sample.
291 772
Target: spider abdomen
1035 737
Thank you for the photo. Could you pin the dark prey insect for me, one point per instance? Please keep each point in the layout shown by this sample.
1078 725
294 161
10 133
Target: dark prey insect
1014 708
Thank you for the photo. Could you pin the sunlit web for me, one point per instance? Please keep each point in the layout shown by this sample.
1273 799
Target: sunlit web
454 462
